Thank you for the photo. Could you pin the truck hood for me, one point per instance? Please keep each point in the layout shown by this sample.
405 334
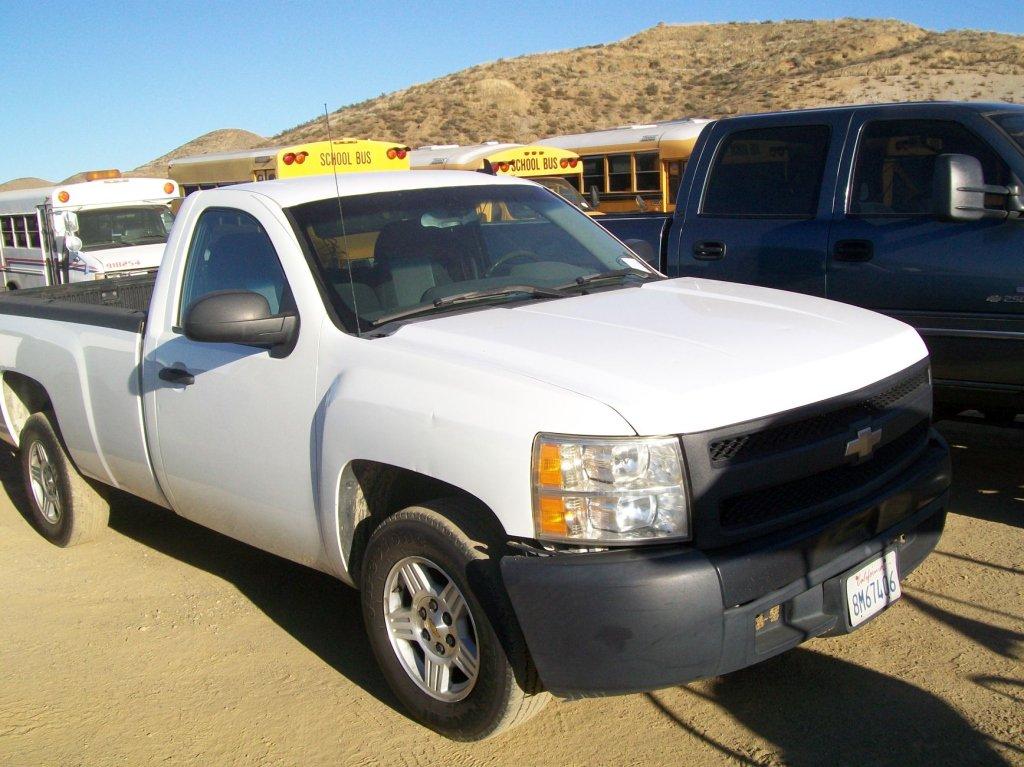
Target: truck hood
123 259
680 356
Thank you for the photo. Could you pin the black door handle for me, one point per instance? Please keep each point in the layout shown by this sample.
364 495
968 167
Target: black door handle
853 250
176 375
708 250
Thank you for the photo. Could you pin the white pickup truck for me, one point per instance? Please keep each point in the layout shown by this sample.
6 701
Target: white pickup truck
546 467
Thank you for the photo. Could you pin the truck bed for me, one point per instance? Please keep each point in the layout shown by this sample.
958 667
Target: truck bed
81 345
120 302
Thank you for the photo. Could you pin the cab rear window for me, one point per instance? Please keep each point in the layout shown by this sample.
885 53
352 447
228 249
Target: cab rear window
768 172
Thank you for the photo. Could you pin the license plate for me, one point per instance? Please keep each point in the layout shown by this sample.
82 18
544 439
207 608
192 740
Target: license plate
872 588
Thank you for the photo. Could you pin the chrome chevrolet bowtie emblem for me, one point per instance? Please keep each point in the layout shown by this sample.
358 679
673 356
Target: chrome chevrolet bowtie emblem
864 444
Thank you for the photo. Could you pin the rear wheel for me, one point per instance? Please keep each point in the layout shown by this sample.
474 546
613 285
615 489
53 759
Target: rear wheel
441 625
64 507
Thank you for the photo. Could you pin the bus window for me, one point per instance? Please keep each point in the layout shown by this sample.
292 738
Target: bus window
648 179
33 231
619 173
593 174
674 171
7 224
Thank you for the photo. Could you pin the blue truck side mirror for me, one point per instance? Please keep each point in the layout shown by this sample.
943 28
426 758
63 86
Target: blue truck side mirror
959 189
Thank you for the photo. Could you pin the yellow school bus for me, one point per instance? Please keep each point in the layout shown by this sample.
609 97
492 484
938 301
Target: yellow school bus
345 155
634 161
558 169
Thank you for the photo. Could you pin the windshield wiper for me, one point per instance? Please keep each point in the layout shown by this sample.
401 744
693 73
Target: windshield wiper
470 296
151 238
615 274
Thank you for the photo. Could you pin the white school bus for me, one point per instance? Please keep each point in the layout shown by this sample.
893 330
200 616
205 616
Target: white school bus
622 164
104 226
345 155
558 169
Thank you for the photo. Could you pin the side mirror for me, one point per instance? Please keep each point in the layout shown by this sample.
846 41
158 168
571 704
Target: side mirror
959 189
73 243
70 222
641 204
595 197
239 317
643 249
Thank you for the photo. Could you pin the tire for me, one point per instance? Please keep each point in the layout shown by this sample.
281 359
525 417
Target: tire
423 568
64 507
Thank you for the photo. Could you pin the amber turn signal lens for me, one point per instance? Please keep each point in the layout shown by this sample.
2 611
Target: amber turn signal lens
549 466
168 188
63 196
552 516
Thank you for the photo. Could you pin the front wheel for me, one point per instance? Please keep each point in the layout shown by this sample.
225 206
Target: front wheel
441 626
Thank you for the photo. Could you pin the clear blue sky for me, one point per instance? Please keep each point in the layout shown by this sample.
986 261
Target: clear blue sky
114 84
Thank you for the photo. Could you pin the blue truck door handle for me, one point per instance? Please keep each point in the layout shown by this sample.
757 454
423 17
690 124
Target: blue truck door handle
708 250
853 250
177 376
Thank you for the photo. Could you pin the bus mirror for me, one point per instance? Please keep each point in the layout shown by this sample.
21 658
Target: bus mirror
70 222
595 197
641 204
72 243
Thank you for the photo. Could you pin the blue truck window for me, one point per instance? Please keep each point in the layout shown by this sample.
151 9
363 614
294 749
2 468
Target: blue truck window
1013 124
896 160
774 171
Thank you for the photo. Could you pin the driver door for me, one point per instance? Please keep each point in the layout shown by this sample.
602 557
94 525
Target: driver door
233 424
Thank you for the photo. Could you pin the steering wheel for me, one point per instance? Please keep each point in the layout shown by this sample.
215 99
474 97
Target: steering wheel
520 254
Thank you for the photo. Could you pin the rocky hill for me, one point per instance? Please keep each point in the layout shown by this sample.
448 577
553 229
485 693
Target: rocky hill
23 183
666 72
223 140
672 71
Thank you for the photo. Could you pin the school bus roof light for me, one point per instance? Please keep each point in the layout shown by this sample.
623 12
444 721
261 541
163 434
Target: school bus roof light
169 188
300 157
99 175
289 158
397 152
63 196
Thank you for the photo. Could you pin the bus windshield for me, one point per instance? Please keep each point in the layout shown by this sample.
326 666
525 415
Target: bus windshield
418 249
102 228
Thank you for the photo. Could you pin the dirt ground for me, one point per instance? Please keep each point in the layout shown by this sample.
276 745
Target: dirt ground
167 643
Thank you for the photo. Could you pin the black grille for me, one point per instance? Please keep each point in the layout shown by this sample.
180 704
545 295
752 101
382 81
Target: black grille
773 503
779 438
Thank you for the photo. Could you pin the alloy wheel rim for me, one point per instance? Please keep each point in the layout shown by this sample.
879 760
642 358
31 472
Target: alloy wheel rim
431 629
43 480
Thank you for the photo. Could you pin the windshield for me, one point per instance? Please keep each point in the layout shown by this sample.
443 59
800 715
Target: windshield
1013 124
563 188
102 228
397 250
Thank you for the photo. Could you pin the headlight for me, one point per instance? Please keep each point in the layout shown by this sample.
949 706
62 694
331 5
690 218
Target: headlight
609 489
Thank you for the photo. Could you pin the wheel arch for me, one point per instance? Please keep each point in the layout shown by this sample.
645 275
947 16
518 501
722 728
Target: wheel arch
369 492
22 397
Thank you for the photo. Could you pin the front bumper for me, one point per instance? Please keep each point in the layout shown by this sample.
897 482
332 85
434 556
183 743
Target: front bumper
639 619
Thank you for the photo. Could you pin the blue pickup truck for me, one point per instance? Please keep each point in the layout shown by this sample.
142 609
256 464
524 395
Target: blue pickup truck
915 210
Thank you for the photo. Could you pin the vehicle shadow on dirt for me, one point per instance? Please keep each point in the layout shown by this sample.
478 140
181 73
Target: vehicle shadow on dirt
1002 641
317 610
816 709
988 470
